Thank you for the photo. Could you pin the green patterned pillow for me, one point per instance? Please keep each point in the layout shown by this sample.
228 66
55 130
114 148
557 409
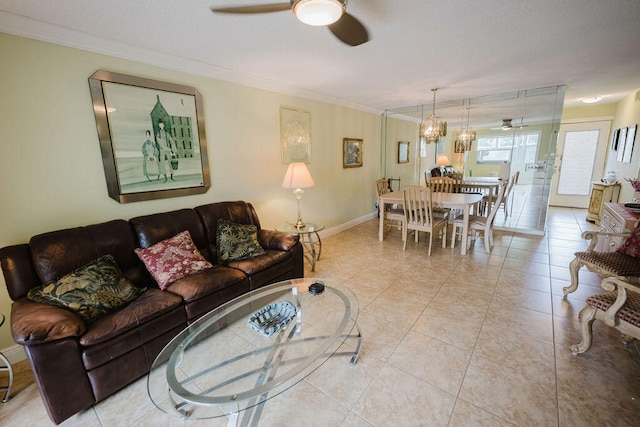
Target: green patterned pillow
236 241
92 291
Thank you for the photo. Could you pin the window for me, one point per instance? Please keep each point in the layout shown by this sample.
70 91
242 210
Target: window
498 148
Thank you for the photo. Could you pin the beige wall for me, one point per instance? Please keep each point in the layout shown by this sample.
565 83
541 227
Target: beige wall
51 173
625 113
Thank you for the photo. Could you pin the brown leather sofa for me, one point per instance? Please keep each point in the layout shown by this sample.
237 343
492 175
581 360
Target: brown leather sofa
76 365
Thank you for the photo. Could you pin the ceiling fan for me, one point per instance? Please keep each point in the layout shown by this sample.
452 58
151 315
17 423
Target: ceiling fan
330 13
506 125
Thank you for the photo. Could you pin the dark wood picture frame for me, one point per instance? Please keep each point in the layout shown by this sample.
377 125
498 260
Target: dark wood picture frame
151 136
352 153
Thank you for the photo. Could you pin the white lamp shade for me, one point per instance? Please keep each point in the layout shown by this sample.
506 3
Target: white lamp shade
297 176
318 12
443 160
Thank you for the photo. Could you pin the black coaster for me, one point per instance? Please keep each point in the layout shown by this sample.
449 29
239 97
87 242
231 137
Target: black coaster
316 288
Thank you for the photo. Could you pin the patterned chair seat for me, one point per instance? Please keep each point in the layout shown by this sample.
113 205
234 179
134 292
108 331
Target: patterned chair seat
629 312
603 263
618 308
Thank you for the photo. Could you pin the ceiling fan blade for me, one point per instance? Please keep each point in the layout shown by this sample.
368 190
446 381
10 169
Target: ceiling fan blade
263 8
349 30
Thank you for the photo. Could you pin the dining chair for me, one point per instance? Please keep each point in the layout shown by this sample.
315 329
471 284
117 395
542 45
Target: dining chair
418 215
480 224
389 213
503 203
441 184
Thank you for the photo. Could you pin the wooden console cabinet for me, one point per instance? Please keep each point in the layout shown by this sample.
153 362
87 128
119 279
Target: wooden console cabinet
601 193
616 219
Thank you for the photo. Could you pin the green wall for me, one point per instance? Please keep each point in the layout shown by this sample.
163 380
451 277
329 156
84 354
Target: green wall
51 172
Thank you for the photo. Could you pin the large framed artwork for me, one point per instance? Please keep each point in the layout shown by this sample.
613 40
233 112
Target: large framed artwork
351 153
295 135
151 137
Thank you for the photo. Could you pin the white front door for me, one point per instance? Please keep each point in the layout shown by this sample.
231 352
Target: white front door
580 157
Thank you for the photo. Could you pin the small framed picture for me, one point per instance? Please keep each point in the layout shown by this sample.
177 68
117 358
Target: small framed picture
403 151
351 153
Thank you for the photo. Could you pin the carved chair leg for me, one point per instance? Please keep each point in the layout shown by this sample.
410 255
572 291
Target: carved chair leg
587 316
574 270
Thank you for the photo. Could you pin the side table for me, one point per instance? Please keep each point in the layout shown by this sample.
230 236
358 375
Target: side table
306 235
7 367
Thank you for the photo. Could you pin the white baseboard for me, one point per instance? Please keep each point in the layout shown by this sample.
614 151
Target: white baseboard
347 225
15 353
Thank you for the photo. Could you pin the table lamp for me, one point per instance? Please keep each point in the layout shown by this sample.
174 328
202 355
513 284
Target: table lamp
443 160
298 177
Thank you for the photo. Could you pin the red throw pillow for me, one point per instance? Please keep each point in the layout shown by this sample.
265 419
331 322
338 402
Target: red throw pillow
631 246
172 259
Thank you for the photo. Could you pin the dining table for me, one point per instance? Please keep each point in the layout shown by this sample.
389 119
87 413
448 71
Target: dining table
485 184
462 201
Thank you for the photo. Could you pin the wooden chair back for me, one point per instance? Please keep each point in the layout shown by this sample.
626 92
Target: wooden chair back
441 184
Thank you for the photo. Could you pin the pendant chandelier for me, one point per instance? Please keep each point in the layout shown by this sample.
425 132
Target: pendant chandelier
434 128
466 136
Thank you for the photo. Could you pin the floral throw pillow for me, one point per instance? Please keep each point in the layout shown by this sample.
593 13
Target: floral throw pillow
172 259
236 241
92 291
631 246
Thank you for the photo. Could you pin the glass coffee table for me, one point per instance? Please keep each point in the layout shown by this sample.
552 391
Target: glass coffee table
236 357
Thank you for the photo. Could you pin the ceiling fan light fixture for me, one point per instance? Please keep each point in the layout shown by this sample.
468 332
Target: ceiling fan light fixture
318 12
592 100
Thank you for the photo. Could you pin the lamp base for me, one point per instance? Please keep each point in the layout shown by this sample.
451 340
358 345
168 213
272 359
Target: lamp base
299 224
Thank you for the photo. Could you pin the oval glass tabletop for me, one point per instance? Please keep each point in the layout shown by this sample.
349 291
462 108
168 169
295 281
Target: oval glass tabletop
253 348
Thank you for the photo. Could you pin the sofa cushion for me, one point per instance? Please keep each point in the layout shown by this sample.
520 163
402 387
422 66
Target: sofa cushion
254 265
172 259
35 323
57 253
153 303
203 283
92 291
236 241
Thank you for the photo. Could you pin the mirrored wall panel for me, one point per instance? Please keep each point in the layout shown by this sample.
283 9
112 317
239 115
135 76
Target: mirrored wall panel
510 136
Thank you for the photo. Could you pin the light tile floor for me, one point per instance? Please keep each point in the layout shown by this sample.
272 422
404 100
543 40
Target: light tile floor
449 340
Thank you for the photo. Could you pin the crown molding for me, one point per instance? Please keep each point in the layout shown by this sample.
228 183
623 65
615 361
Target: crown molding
50 33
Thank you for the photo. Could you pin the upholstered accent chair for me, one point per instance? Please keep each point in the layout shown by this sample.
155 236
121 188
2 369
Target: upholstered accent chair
605 264
618 308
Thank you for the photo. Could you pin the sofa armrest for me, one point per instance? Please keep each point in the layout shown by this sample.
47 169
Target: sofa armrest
593 236
278 240
35 323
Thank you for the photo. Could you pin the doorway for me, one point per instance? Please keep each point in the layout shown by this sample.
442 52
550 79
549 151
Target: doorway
580 157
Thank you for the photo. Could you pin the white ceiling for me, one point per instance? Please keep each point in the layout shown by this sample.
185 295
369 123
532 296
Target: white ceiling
467 48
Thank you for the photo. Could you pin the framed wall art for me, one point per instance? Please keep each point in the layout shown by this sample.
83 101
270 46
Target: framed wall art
628 146
351 153
614 139
295 136
622 142
403 151
151 136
